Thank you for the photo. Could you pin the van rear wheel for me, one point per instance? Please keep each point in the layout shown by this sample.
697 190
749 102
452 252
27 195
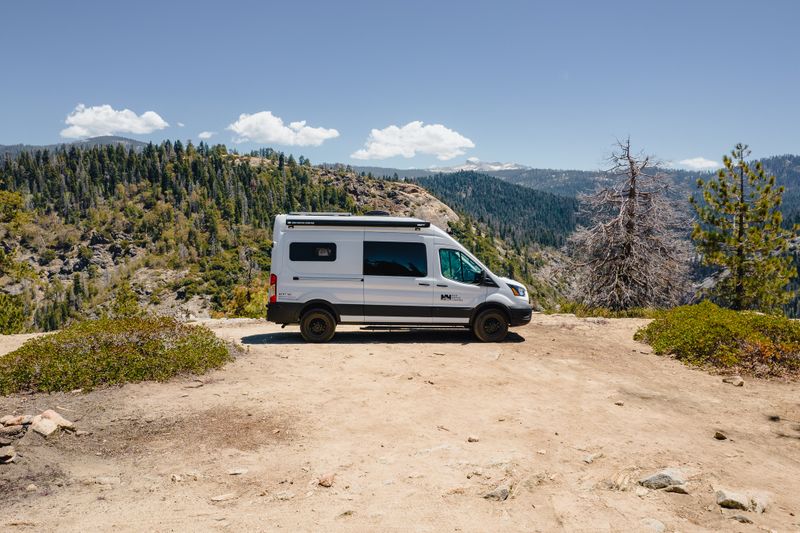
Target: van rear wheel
490 326
317 325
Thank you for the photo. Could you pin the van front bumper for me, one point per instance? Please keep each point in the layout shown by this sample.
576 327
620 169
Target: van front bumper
284 312
520 315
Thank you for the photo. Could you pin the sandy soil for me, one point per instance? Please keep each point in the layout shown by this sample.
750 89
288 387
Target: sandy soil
390 414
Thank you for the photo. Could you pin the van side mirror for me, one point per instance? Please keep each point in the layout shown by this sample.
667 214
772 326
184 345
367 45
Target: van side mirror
480 277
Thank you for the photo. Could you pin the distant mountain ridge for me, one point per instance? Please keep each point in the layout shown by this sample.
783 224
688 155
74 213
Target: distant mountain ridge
476 165
105 140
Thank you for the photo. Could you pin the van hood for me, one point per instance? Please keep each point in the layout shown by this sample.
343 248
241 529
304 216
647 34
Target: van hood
509 280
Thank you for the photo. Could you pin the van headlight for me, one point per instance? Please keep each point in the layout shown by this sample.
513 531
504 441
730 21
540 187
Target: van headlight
518 290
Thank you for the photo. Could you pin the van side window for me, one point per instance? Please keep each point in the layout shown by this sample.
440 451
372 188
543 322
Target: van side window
312 251
395 259
458 267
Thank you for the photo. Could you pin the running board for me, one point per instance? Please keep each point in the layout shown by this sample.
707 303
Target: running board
409 328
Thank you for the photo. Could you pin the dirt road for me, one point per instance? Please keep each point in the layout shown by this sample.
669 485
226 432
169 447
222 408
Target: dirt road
569 413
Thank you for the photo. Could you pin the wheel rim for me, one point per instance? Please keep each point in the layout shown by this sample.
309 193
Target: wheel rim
491 326
318 327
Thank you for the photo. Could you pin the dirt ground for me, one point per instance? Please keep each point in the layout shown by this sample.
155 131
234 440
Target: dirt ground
389 414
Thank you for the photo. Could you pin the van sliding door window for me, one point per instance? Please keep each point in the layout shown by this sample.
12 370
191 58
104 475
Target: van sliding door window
312 251
458 267
395 259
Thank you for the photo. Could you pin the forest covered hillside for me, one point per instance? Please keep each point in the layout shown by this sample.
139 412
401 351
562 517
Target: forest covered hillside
185 230
519 214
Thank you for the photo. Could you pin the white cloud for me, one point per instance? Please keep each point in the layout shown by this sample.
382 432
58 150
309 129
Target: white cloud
415 137
205 135
181 124
264 127
104 120
699 163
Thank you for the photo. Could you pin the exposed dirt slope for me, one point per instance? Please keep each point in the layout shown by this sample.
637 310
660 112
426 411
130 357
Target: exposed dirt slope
390 415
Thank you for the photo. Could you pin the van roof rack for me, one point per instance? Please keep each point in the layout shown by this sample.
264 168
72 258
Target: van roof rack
320 213
375 223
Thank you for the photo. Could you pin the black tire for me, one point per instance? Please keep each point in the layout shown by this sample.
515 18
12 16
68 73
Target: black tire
490 326
317 325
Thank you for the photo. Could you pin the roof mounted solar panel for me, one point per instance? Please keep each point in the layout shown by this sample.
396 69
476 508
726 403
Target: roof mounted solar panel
321 213
344 222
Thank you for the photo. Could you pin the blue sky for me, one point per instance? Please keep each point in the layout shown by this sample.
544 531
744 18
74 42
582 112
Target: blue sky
547 84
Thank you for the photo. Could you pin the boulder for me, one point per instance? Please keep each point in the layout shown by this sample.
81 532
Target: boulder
59 420
9 431
19 420
732 500
664 478
43 426
7 453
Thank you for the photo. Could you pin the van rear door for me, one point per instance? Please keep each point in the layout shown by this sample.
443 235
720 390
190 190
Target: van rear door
398 280
324 266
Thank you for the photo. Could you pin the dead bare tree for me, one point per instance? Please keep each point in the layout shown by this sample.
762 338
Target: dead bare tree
633 253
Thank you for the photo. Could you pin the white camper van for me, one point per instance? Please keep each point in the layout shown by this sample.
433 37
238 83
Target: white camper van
333 268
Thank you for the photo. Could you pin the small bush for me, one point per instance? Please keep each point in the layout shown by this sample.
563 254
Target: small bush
705 334
12 316
111 351
581 310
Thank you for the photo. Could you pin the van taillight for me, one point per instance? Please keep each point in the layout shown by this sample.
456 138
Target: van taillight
273 288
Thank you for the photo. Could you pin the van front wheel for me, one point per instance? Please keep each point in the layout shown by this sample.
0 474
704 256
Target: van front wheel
317 325
490 326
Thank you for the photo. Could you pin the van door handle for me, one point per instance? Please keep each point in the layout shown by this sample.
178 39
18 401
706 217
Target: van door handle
441 285
425 284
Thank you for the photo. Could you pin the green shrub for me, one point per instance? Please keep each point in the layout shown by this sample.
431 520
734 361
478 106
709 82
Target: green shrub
126 302
581 310
111 351
705 334
12 316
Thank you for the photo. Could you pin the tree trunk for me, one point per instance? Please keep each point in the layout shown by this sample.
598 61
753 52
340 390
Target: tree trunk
738 303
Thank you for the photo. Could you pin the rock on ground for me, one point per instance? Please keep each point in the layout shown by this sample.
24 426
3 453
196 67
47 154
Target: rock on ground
43 426
19 420
664 478
759 502
736 381
7 453
499 494
8 431
59 420
651 524
732 500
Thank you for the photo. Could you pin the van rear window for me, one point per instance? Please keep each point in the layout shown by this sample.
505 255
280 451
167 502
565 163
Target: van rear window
395 259
312 251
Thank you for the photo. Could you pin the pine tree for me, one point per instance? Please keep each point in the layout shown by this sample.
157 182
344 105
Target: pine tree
740 233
